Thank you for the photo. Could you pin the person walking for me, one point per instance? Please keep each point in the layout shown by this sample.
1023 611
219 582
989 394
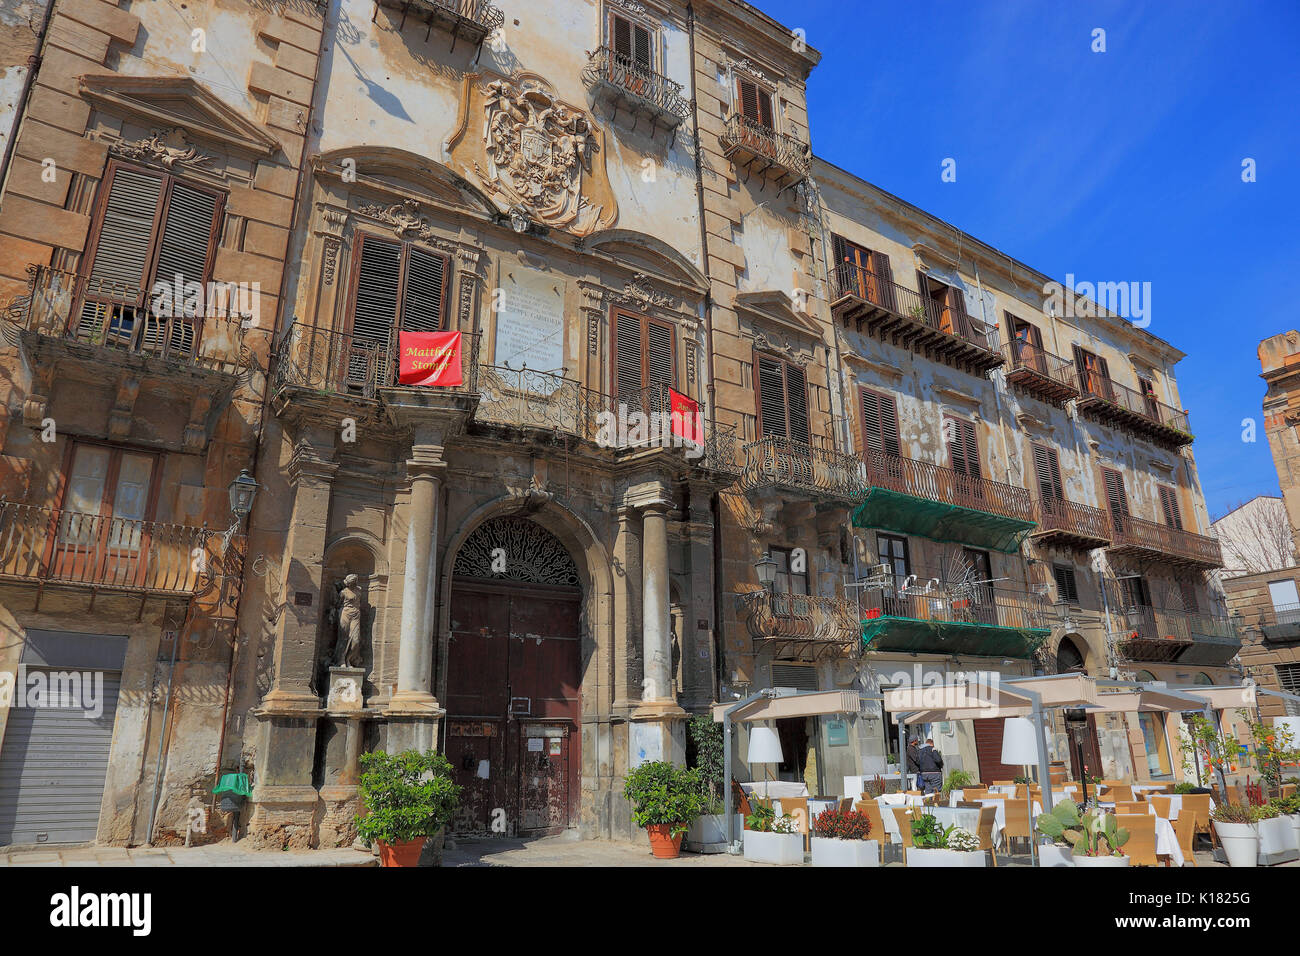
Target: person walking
913 763
931 764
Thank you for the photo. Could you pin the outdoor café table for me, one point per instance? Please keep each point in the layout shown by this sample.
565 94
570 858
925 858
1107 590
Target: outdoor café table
1143 787
1175 806
818 806
1009 791
899 800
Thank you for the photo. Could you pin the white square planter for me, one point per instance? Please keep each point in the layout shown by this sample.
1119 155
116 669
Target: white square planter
783 848
1053 855
917 857
829 852
1277 841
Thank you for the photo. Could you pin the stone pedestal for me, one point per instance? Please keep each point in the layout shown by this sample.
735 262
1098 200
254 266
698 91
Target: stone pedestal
345 689
657 732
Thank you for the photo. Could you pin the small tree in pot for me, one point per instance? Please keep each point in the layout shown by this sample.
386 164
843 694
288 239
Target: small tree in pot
665 799
408 797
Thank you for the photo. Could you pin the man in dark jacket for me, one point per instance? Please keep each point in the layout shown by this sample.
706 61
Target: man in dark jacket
913 763
931 763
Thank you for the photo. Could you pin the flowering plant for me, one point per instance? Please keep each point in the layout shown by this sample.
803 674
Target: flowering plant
963 840
836 824
785 824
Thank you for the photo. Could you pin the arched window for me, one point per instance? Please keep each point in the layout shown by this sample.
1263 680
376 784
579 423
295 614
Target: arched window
1203 680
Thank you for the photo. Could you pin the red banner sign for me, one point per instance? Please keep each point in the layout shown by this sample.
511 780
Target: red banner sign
686 417
430 358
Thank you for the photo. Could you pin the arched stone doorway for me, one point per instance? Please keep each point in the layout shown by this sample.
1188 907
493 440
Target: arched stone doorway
1085 753
1070 658
514 662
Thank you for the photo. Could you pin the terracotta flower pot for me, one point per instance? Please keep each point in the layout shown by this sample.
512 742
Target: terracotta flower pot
663 844
405 853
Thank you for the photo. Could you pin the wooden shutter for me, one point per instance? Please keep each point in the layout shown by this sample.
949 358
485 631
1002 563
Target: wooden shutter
1047 467
839 249
423 290
765 108
627 359
879 423
1169 507
771 397
755 103
963 450
126 231
184 253
796 388
1188 589
374 310
885 280
641 47
957 306
659 354
621 34
1116 497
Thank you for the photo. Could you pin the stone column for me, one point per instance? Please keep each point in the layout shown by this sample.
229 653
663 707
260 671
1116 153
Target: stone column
699 624
657 728
656 618
413 710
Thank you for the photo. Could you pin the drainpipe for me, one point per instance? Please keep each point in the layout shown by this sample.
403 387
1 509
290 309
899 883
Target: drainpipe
33 66
710 388
163 730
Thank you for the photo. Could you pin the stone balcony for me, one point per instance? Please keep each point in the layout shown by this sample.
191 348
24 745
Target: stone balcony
757 149
469 20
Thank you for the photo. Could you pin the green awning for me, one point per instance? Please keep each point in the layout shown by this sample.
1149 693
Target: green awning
951 637
891 510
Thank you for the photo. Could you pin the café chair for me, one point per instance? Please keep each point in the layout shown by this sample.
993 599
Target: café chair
1141 845
1117 793
988 818
1185 831
1130 806
1017 822
1163 806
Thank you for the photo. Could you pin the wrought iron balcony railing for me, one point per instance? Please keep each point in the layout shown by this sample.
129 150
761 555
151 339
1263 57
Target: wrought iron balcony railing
1067 522
48 545
1112 402
637 86
880 303
801 469
749 144
639 420
473 20
1142 537
801 625
1039 372
951 597
1169 634
923 479
206 331
1280 623
340 363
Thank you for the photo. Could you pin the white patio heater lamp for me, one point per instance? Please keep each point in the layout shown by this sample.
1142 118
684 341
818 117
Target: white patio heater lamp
765 748
1020 746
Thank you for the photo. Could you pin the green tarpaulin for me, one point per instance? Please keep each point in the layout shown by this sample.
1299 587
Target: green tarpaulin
951 637
940 521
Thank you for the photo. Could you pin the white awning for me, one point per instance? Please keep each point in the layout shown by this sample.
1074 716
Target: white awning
812 704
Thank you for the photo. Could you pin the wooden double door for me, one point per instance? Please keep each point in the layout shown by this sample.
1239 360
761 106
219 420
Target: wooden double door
514 707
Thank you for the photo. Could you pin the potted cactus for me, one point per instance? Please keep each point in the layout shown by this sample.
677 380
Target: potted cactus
1065 828
1102 841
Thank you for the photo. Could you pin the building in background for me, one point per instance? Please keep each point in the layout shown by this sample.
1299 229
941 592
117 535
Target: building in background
1261 582
893 465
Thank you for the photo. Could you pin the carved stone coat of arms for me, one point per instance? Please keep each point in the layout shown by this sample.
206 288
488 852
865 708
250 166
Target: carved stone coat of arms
534 155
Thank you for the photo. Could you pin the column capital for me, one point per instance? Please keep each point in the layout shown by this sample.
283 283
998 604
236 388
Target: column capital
310 461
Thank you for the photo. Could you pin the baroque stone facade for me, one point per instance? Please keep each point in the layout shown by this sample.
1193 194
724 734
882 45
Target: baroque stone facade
546 580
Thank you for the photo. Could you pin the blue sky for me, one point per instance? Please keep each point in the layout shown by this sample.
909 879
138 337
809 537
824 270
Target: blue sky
1115 166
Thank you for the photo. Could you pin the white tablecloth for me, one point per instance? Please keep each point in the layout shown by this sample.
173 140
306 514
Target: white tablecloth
1009 791
968 818
1175 806
899 800
1167 842
776 788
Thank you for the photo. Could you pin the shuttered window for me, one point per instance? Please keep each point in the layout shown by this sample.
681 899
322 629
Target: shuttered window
643 354
755 102
1169 507
879 423
1067 588
1094 374
631 40
782 399
963 451
150 228
1188 591
1116 496
861 272
1047 469
396 285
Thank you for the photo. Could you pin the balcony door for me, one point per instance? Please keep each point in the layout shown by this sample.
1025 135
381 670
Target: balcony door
1047 470
1027 341
782 399
964 460
863 273
1094 374
152 233
633 45
1116 499
102 532
643 362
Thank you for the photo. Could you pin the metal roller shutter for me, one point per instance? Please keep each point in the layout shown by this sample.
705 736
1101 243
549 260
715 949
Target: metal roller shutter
53 767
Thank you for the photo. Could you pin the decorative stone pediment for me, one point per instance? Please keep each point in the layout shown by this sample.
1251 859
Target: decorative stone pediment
539 160
882 370
776 307
171 104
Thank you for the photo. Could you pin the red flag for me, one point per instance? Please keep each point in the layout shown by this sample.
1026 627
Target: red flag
686 417
429 358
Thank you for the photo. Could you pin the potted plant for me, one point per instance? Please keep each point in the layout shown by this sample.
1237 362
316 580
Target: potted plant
840 839
956 780
707 833
665 799
407 798
1234 825
932 844
1065 828
1277 835
1102 841
772 839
